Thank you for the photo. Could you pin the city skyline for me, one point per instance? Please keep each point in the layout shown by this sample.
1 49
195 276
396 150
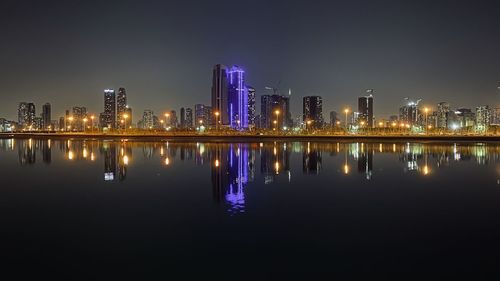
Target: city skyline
437 51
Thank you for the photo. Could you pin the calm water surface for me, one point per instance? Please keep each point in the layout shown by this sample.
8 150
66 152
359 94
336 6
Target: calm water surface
248 211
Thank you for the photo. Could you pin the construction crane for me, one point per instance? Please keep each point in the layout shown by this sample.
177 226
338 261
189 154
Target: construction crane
274 89
410 102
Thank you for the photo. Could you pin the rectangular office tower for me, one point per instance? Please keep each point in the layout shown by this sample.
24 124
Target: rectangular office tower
46 116
220 95
365 109
275 112
313 111
109 116
238 99
251 107
121 107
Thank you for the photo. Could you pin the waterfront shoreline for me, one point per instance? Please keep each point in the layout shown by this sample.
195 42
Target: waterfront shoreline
233 138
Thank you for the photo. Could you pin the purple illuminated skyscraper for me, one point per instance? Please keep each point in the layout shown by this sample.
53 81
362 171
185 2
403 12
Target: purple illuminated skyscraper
238 99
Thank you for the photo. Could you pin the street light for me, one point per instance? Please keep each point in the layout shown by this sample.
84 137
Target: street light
85 120
70 119
125 117
346 111
277 112
167 116
92 125
217 113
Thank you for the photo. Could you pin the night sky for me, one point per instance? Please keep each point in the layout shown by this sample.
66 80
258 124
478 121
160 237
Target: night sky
162 52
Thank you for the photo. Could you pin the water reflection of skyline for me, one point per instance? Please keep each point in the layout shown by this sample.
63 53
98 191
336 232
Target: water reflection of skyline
233 166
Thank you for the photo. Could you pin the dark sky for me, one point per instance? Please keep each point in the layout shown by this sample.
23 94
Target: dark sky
67 52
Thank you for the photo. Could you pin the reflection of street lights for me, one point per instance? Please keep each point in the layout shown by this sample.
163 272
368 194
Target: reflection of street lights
346 166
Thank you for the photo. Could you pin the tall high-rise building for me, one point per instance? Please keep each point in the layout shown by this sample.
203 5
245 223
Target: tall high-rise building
31 112
333 118
365 108
269 105
188 121
313 111
220 98
121 107
238 98
109 116
62 123
266 107
79 114
46 116
209 115
443 109
251 107
495 116
199 115
147 119
183 118
410 113
22 114
127 117
483 117
173 119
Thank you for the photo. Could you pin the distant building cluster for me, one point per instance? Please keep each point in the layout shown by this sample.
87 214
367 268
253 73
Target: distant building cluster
233 107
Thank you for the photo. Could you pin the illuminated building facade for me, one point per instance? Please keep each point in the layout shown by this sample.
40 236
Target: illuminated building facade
269 104
220 98
46 116
189 118
251 107
79 115
483 117
109 115
443 110
238 99
312 109
410 114
121 108
147 119
334 118
365 109
183 117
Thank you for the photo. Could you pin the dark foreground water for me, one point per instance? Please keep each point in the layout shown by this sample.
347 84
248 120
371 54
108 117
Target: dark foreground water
100 210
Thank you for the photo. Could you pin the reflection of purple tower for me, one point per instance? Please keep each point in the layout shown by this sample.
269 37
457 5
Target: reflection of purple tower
230 171
238 99
238 174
